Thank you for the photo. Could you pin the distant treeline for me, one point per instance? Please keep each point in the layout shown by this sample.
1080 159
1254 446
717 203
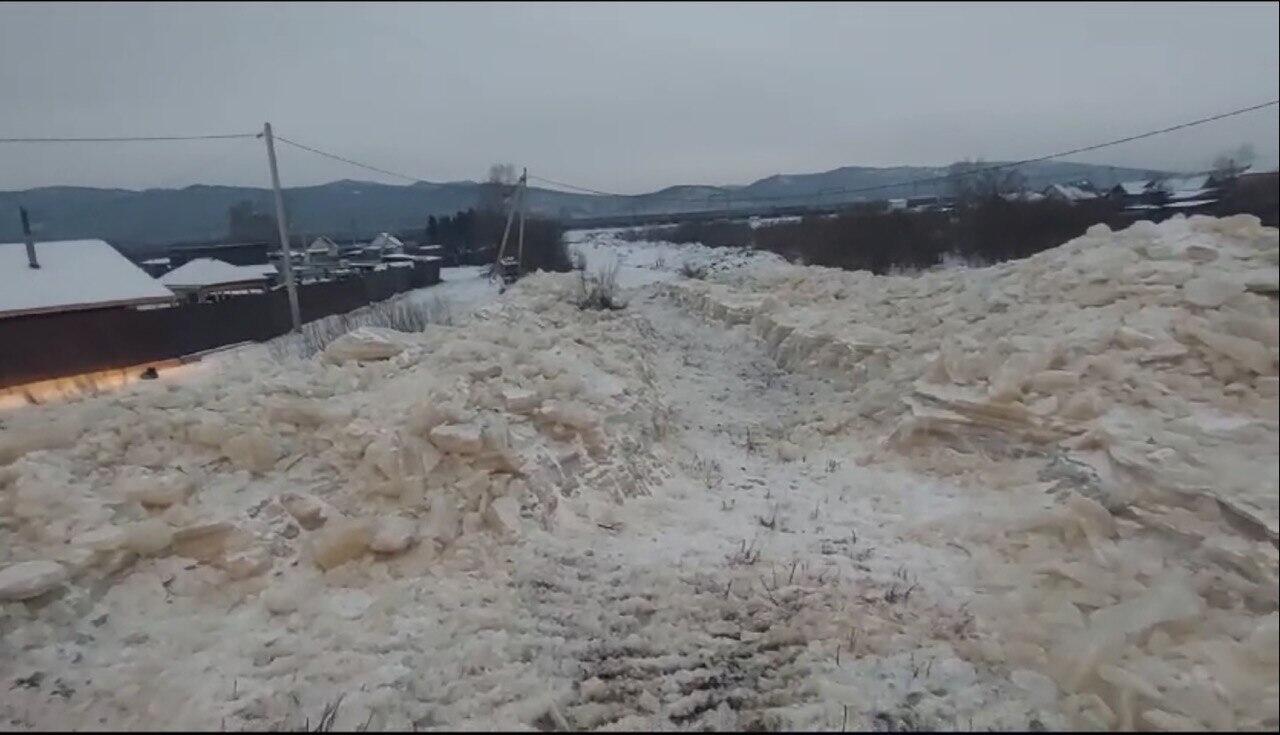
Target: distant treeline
989 230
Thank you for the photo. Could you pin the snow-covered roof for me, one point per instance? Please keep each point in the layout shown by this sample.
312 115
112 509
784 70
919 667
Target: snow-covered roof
1178 195
1185 183
1022 196
203 272
322 244
385 241
1134 188
73 274
1070 193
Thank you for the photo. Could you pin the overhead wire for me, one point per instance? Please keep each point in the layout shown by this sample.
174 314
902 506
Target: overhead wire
130 139
951 176
336 157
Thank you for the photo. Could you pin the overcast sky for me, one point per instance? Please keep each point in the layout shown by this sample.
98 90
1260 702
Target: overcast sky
624 97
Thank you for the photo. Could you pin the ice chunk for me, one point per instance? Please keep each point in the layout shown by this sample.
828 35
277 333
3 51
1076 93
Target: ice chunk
28 579
1246 352
309 511
148 537
1169 722
519 400
156 491
365 343
17 440
573 414
1043 692
247 563
1096 520
458 438
1167 602
1210 291
280 600
350 604
1127 680
107 538
442 523
340 542
1085 405
1051 381
1263 280
392 535
206 542
252 450
503 516
300 412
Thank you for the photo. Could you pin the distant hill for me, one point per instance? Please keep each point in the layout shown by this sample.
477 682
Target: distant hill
141 220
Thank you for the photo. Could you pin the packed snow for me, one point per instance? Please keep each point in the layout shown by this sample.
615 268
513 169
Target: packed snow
1040 494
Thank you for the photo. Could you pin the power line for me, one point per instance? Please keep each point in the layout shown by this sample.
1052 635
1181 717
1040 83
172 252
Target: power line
949 176
336 157
586 190
128 138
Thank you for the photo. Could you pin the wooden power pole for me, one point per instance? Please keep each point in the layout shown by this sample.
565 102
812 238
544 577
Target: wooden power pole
283 229
524 192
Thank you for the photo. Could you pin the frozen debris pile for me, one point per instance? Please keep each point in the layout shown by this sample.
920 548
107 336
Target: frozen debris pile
662 259
1147 347
1113 403
382 455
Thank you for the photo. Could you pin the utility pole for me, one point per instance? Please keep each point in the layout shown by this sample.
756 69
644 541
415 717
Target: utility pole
524 191
283 228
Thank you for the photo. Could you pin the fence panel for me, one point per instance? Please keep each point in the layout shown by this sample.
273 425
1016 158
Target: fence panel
46 346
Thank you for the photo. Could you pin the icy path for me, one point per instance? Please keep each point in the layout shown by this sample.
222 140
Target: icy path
747 573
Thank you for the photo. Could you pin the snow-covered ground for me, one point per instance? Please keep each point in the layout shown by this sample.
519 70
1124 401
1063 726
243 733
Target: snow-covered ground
781 497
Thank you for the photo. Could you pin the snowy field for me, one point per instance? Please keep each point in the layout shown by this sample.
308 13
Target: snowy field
1037 495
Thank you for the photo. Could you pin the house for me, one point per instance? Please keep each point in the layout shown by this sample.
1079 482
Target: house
1070 193
206 278
385 243
235 253
1186 193
322 250
1022 196
1170 184
74 275
1132 192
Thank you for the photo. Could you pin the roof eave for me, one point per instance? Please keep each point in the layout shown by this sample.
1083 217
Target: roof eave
87 307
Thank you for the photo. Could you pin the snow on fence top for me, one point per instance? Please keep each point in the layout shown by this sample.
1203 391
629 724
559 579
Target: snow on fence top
73 274
203 272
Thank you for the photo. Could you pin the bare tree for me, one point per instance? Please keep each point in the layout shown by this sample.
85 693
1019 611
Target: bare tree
500 185
970 182
1231 163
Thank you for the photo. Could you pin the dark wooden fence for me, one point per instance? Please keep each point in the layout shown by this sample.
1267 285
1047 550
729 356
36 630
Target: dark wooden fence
46 346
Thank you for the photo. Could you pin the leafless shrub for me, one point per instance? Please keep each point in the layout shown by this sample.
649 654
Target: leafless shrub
689 269
598 290
328 716
745 555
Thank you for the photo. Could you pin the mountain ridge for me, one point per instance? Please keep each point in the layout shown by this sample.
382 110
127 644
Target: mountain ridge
147 218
